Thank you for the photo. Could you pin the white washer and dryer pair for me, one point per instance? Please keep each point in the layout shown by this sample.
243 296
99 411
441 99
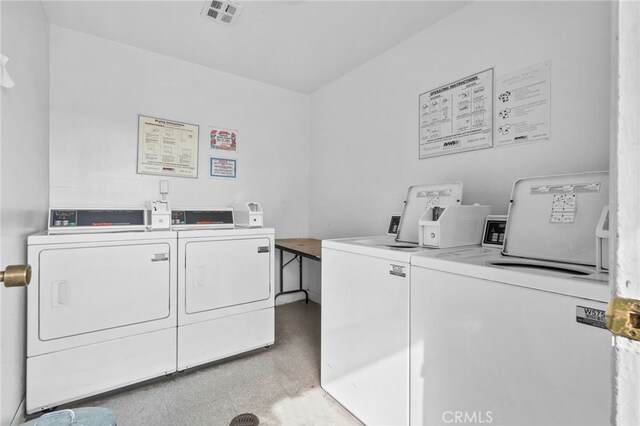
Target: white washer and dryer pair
113 304
517 338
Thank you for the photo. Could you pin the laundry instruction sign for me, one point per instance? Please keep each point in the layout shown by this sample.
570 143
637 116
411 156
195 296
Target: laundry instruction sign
222 168
167 147
457 117
523 112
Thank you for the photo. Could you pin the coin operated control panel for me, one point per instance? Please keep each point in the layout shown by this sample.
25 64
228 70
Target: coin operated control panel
202 219
452 226
495 227
96 220
249 215
158 215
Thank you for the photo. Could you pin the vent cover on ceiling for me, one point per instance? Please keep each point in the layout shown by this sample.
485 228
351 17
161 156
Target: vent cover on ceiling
223 11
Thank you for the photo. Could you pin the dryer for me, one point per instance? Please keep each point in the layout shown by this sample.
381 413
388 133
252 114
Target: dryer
225 287
101 309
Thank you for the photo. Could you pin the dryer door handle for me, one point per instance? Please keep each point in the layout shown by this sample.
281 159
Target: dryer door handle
59 293
199 276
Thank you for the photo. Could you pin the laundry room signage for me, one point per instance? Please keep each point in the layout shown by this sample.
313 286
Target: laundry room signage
457 117
223 139
168 148
222 168
523 112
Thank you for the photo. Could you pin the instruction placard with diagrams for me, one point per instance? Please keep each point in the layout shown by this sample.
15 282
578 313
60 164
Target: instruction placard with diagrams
457 117
167 147
523 112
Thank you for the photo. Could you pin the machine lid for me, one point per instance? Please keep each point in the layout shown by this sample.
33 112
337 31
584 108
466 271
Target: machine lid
418 198
555 217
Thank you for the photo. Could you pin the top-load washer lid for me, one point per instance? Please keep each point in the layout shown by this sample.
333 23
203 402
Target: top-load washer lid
555 217
419 197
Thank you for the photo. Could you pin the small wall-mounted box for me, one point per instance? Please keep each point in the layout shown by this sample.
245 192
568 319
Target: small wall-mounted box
248 215
158 215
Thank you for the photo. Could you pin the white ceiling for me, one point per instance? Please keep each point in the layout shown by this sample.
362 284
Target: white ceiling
299 45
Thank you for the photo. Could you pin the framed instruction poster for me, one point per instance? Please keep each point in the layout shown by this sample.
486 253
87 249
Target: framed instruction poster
457 117
168 148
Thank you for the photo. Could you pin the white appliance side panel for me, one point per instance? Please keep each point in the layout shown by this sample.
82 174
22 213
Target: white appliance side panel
64 376
226 273
514 354
220 338
83 290
365 336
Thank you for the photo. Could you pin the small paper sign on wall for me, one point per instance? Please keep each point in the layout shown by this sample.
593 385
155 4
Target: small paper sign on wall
223 139
523 112
225 168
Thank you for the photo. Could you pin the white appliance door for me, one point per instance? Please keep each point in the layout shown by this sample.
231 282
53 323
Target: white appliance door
365 336
226 273
487 352
90 289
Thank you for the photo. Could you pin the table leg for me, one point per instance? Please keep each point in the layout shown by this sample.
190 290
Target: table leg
282 266
306 295
281 271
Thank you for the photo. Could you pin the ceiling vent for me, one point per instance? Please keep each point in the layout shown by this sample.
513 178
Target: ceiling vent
223 11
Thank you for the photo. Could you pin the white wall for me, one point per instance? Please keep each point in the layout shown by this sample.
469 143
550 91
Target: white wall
98 89
24 176
364 126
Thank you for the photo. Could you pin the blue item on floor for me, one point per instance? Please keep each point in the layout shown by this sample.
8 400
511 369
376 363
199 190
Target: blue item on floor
87 416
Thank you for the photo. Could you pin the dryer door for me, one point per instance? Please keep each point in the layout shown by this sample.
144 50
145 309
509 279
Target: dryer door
89 289
226 273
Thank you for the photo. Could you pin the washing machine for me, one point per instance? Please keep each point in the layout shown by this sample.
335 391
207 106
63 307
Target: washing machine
225 286
365 313
101 308
513 336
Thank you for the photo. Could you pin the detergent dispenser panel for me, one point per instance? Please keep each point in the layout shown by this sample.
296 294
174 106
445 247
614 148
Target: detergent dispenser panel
555 217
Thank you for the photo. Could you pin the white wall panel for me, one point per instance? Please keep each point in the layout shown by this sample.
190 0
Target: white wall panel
25 174
364 126
98 89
